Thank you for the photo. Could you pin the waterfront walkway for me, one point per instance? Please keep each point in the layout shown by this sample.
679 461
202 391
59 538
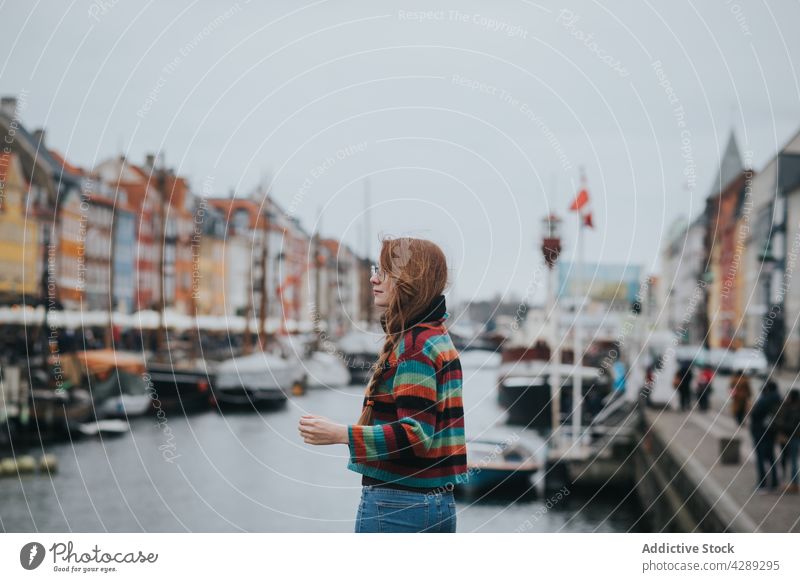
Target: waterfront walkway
693 440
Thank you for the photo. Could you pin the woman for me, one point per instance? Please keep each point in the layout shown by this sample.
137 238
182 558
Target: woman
409 442
682 382
704 387
762 430
740 396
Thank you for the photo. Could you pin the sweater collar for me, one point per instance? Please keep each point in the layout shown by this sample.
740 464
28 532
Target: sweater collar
436 310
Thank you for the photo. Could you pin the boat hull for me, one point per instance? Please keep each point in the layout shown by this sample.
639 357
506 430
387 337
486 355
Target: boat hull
179 390
123 406
524 391
53 413
497 465
527 405
103 428
243 398
480 480
258 381
325 371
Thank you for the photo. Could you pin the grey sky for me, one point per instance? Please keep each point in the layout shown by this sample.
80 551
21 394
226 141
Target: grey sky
471 122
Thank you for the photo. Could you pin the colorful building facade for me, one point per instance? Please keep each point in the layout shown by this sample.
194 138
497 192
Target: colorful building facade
19 235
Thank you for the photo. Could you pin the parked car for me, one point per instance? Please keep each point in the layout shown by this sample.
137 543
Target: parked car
750 361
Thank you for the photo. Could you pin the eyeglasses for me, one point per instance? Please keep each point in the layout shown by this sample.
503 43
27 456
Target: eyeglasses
374 270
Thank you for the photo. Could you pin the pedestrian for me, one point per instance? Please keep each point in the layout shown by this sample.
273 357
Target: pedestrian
788 428
704 387
740 396
409 443
682 382
619 378
762 430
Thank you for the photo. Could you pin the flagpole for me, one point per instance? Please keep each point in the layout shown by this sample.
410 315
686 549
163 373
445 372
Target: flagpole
577 380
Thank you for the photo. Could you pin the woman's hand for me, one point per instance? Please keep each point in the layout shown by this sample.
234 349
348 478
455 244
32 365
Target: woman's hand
318 430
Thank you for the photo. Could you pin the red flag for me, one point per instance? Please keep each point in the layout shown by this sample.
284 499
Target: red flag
581 200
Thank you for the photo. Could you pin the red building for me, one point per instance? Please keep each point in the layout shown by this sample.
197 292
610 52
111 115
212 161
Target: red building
727 213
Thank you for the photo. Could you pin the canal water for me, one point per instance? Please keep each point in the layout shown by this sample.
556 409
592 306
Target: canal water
252 472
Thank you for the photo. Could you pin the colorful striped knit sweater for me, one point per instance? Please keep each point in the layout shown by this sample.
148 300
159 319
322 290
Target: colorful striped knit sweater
417 433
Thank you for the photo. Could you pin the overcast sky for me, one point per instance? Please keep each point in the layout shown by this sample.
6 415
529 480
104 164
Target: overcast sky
471 119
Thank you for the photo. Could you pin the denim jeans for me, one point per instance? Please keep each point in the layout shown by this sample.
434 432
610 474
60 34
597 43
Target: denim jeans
387 510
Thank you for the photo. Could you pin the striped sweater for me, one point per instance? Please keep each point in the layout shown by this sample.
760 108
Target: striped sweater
417 433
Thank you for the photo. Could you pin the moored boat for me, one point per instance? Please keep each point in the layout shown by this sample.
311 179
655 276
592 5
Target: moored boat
525 392
321 368
108 428
56 411
256 381
494 463
479 359
181 387
359 351
117 382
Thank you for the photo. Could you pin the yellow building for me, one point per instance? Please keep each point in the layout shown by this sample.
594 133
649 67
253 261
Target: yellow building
209 284
208 258
18 234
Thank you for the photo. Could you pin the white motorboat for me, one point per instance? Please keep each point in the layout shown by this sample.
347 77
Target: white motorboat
260 380
322 369
358 351
109 427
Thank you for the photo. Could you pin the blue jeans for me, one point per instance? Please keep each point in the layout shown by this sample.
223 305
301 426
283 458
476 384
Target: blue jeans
386 510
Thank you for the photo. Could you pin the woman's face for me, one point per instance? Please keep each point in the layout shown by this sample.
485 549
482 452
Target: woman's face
382 285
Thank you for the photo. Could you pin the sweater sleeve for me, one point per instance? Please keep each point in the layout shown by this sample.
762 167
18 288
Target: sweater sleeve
411 435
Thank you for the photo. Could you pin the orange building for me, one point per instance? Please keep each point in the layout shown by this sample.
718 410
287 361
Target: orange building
72 229
178 240
725 249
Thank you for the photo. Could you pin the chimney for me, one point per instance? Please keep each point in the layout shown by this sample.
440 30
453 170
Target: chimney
39 135
8 106
150 161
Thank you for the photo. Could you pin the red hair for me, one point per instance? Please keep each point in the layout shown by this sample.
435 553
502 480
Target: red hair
418 268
